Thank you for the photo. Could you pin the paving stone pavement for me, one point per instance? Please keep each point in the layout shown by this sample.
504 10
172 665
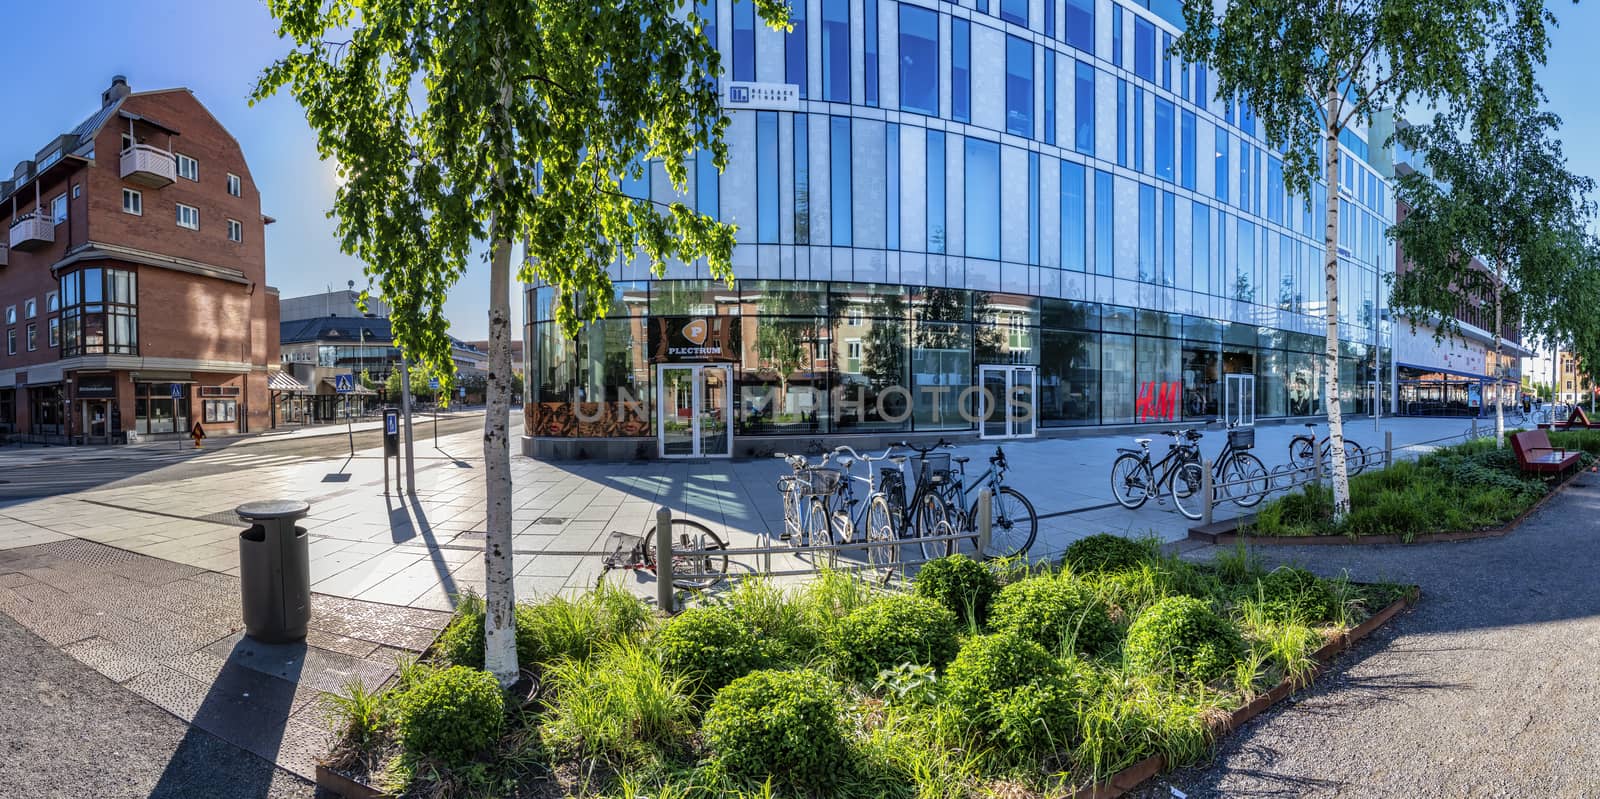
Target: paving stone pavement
171 633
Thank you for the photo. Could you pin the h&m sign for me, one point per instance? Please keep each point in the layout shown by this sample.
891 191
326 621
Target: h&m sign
1158 401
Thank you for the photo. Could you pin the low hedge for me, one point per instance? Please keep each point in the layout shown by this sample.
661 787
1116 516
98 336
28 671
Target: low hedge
1182 636
1056 611
780 725
893 630
710 645
452 715
961 584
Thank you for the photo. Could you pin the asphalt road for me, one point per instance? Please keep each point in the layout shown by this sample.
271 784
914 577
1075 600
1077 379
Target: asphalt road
67 731
1485 689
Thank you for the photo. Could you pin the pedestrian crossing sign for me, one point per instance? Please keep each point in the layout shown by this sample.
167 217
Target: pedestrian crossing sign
344 384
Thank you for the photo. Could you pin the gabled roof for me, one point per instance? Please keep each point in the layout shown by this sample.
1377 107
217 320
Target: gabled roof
341 329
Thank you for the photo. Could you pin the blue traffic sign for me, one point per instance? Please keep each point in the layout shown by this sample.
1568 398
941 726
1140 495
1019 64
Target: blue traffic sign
391 423
344 384
433 383
177 391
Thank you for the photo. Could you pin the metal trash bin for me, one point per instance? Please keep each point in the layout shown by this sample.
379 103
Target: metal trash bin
275 570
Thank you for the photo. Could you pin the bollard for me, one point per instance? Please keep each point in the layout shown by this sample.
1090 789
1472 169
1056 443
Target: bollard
1388 448
1474 428
664 598
1208 492
985 521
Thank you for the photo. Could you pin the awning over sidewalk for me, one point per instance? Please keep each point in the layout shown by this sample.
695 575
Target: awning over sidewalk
286 383
360 390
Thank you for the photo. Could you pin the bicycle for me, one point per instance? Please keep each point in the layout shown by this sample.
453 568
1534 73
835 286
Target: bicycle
805 512
690 572
925 515
843 521
1239 476
1134 477
1013 522
1302 447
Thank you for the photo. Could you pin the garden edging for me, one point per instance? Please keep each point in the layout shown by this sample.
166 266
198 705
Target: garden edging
1135 775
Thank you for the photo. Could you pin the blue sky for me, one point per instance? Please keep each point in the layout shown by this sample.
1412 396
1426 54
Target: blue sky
218 47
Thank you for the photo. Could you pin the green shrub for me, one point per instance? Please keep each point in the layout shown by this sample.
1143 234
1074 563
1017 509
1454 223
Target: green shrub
452 715
1042 716
1288 594
618 701
462 642
1182 636
1057 612
1011 688
778 724
895 629
989 665
573 628
961 584
708 645
1104 552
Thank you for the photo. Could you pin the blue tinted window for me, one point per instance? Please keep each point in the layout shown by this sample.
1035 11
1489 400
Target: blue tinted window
1138 129
1033 208
1105 225
960 70
707 9
839 179
1186 175
705 185
1116 35
1245 184
1050 18
919 60
636 186
1201 90
1169 261
1019 87
802 181
1247 117
767 177
1275 190
836 50
1083 113
1244 274
1014 11
1200 230
794 48
1227 111
892 153
744 40
1122 123
869 53
1183 82
1073 210
1077 27
1147 233
982 173
1222 165
1166 61
1164 131
936 189
1049 96
1144 48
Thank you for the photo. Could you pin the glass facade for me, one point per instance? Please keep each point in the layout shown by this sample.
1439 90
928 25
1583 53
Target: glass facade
1066 224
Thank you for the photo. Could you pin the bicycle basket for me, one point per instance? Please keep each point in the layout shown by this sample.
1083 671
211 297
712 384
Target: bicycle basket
935 468
819 482
1242 437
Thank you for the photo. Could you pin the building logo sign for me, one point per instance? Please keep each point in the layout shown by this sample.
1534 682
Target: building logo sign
694 339
1158 401
766 96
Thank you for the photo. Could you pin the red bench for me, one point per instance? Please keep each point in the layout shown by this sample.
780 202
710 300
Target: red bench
1534 453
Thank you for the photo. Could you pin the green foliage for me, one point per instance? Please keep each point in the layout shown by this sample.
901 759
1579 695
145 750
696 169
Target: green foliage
782 725
895 629
358 715
708 645
618 702
1056 611
1128 716
961 584
563 627
462 643
1292 594
908 684
1182 636
1104 552
452 715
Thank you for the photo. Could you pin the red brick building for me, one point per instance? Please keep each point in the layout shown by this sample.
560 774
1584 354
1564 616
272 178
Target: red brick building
133 278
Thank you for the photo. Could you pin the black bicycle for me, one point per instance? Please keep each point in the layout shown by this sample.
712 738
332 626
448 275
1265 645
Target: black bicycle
1135 478
1239 476
1013 523
923 515
1302 448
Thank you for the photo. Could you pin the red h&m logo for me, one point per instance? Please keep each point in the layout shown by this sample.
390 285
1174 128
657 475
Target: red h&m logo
1158 400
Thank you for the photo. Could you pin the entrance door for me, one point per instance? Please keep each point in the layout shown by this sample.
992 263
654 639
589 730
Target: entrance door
693 410
1239 400
1008 402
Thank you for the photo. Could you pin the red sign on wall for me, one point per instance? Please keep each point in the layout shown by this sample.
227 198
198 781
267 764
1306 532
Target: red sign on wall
1158 401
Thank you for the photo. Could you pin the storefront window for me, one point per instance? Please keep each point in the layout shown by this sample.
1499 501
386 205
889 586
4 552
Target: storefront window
870 359
1159 368
1202 381
1117 383
156 411
1069 378
1304 384
1271 394
783 385
941 369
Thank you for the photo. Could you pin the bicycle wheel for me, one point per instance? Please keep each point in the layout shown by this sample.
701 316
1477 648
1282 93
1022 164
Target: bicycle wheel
791 511
1247 478
1355 457
931 513
816 529
1187 490
1131 481
1013 524
1302 452
880 524
691 572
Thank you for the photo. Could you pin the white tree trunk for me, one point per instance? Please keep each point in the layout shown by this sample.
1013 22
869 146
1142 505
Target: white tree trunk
1341 475
500 629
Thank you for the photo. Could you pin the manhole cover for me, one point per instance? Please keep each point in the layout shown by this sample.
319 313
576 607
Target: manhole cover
550 520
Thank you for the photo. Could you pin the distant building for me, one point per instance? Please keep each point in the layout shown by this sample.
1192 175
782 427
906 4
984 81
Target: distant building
315 352
345 303
133 278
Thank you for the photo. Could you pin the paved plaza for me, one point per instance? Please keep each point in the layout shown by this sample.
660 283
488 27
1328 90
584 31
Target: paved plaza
419 550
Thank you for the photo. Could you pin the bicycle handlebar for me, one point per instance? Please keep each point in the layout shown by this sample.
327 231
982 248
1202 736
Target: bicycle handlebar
925 450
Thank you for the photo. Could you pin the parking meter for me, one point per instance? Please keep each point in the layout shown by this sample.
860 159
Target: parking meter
391 433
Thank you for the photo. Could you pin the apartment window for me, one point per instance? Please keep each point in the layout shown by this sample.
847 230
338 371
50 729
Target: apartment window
11 341
1050 19
1033 208
1083 99
960 70
869 54
794 48
127 142
30 308
188 216
99 312
1187 145
1122 123
1200 246
132 202
233 184
982 173
235 230
767 177
55 333
705 184
1166 61
11 314
58 208
836 51
1019 87
188 167
1147 233
77 191
1138 129
1164 139
935 196
919 60
33 337
1201 90
892 160
839 179
1144 48
1014 11
52 302
1073 240
1077 29
744 41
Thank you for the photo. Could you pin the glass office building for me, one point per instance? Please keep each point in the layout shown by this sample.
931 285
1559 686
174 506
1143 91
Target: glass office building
1003 217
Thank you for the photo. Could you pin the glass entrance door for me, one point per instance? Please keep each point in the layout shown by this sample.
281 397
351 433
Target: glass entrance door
1009 403
693 416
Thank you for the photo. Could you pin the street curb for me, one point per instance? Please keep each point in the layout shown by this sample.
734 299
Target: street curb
1137 774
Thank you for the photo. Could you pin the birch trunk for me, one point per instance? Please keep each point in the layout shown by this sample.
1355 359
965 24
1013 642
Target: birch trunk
1341 475
500 629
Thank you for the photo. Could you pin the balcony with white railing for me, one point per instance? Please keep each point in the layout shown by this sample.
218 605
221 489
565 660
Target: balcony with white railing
32 231
151 167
